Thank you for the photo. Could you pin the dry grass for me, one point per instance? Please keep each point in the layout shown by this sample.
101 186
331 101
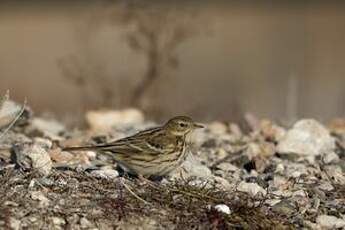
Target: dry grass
106 203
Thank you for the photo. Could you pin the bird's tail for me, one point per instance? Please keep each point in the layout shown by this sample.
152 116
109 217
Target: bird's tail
81 148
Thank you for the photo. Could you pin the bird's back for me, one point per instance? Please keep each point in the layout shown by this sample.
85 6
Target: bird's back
149 152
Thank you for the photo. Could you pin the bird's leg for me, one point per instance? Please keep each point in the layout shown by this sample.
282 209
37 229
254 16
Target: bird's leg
123 183
147 181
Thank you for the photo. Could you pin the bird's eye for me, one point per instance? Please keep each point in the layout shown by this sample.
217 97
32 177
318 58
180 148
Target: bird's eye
183 125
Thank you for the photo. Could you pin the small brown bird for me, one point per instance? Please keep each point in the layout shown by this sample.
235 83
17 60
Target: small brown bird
152 152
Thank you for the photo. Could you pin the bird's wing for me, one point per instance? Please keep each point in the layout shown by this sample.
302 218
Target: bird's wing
150 142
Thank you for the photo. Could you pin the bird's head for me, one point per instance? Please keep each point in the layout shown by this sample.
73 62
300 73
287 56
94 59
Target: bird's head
181 125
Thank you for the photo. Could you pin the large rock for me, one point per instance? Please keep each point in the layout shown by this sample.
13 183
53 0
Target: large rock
271 131
217 128
307 137
330 222
252 189
104 120
41 198
284 207
14 223
192 167
336 173
33 156
105 173
9 110
48 127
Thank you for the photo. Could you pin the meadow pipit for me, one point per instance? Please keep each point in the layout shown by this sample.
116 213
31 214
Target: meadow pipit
152 152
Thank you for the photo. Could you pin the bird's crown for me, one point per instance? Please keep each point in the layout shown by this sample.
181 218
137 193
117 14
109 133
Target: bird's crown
181 125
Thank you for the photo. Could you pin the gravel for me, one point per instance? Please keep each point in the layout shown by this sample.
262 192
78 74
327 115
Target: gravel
232 178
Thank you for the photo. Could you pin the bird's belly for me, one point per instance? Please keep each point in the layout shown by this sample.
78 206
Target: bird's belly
173 165
157 166
153 168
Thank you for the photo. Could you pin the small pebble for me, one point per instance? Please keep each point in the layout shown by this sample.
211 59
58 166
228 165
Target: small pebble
85 223
280 168
330 158
106 119
252 189
217 128
105 173
50 128
223 208
14 223
284 207
307 137
39 196
58 221
35 157
330 222
227 167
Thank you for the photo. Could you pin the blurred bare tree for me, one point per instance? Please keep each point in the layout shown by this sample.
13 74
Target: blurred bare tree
153 31
156 32
91 80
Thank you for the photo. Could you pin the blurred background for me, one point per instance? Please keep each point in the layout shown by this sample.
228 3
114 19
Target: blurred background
213 60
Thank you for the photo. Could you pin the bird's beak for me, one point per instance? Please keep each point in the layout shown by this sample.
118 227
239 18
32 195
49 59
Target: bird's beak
198 126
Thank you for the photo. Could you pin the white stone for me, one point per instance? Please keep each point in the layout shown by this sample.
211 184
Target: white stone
91 154
14 223
10 203
227 167
330 222
236 131
326 186
192 167
104 120
40 159
85 223
278 181
200 182
50 128
307 137
252 189
311 225
300 193
32 183
296 170
223 208
331 157
272 202
336 173
271 130
252 150
58 220
221 153
105 173
280 168
199 136
217 128
43 200
296 174
222 183
43 142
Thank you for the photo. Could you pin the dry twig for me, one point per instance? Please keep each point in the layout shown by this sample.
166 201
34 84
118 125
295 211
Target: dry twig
14 120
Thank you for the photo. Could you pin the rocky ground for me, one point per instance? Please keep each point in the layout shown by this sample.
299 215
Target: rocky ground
257 175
